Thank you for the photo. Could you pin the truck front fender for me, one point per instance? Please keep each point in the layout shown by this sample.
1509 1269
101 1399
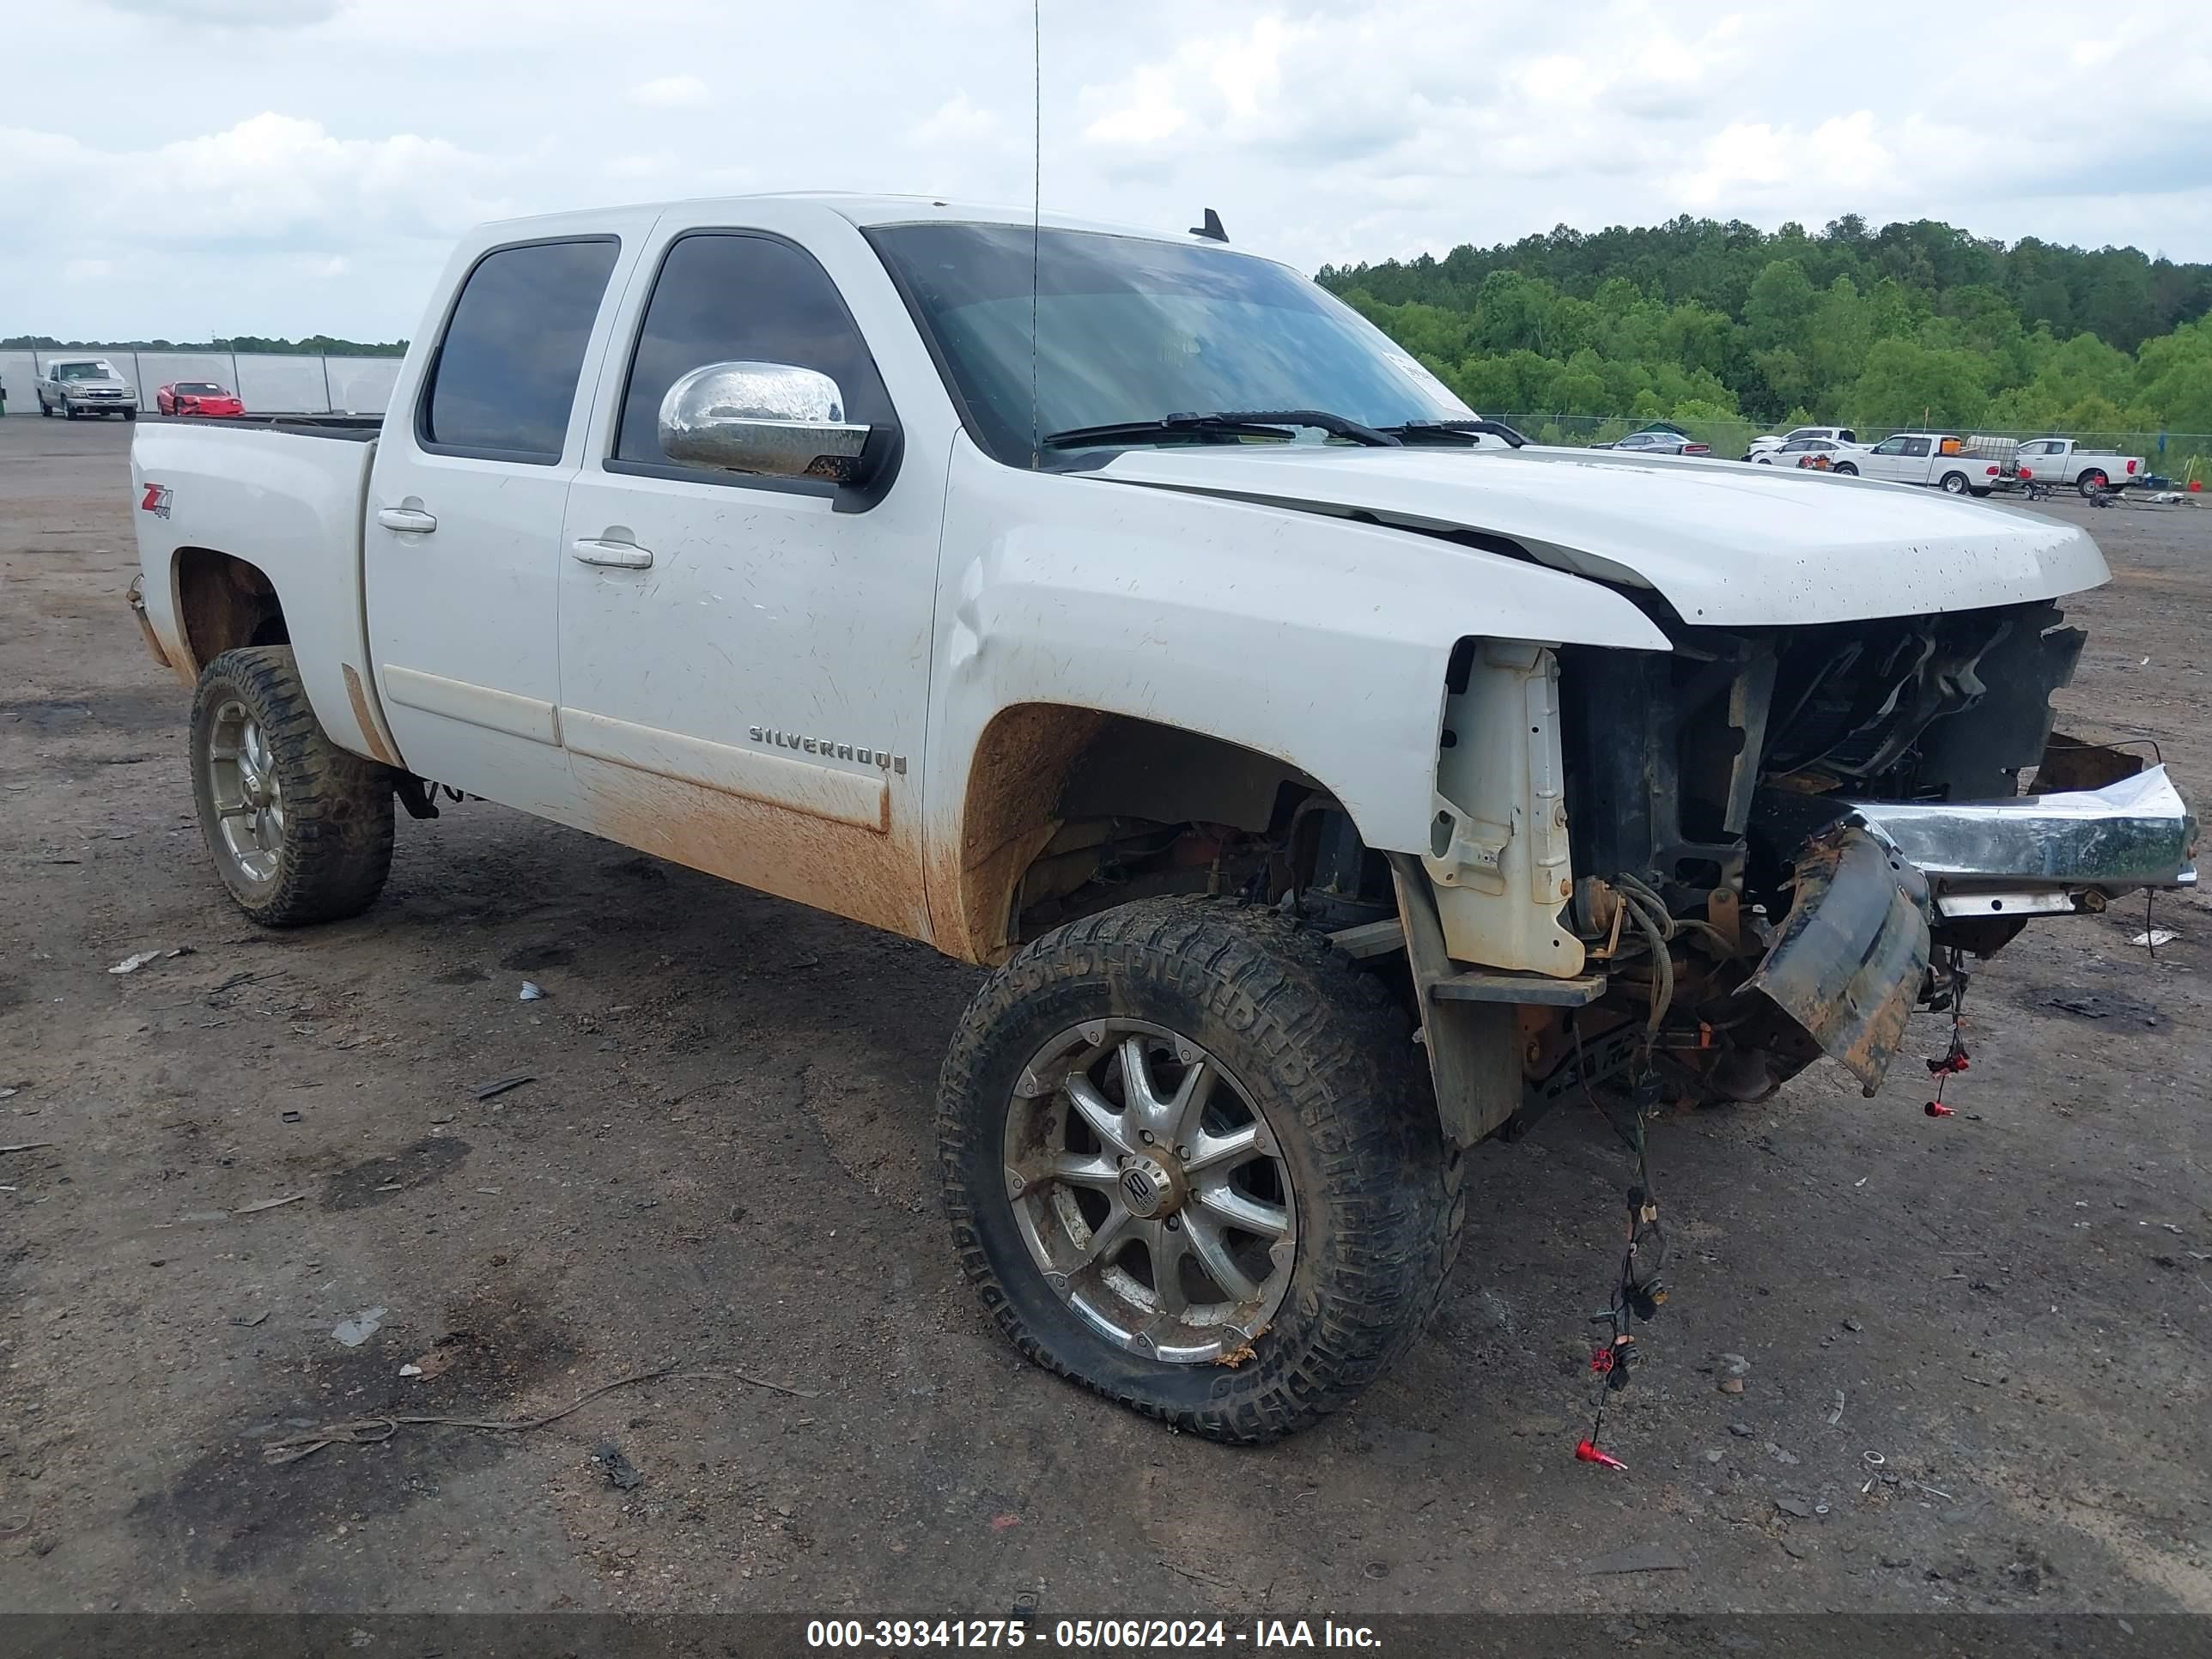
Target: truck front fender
1323 643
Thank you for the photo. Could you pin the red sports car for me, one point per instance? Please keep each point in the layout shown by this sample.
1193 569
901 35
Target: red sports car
196 398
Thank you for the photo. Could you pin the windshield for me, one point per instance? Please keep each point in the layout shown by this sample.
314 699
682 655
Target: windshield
1133 329
83 372
199 388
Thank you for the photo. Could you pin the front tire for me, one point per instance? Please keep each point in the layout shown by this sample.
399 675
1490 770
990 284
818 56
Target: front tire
301 830
1190 1163
2090 484
1844 469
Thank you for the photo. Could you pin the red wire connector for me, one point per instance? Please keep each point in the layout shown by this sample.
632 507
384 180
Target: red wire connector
1587 1452
1937 1108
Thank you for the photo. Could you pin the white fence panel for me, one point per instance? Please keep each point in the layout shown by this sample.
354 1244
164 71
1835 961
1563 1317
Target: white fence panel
269 383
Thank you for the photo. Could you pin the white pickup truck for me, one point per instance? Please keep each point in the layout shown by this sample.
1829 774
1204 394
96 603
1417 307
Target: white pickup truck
2061 462
1328 779
1956 464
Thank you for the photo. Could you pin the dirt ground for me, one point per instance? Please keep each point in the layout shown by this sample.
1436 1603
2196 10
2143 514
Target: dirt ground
723 1163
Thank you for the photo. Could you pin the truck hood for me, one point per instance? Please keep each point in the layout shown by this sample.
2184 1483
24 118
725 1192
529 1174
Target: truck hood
1724 544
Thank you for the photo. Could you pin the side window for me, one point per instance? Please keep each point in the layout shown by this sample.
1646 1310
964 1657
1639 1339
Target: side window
1916 446
506 372
1846 435
1890 446
729 297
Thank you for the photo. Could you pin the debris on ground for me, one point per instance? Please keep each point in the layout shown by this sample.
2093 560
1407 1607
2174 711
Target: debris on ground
2154 937
500 1085
1638 1558
622 1474
28 1146
1836 1411
531 993
249 1321
1736 1363
260 1205
352 1332
1795 1506
373 1430
132 964
1854 1325
1731 1385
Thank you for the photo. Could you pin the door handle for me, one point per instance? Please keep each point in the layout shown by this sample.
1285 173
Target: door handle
409 520
622 555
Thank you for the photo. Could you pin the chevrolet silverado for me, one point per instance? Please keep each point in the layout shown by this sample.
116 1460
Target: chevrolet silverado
1328 778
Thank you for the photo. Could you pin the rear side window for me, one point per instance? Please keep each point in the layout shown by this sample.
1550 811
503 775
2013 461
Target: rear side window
506 375
724 297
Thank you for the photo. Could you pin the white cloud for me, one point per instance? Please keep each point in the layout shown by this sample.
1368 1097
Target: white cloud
670 91
957 121
315 177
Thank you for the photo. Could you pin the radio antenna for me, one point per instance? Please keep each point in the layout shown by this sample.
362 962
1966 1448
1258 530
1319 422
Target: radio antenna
1036 211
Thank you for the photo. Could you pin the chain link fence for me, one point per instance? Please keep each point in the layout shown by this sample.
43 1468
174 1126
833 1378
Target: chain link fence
2178 455
269 383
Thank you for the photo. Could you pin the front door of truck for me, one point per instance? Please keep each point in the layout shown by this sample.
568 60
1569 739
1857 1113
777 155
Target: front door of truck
744 660
1886 461
461 542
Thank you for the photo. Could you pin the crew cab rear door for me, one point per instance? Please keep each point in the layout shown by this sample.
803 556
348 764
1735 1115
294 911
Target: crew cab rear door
744 660
461 542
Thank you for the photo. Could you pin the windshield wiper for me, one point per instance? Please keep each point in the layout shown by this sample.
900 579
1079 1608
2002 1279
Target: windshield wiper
1228 424
1468 432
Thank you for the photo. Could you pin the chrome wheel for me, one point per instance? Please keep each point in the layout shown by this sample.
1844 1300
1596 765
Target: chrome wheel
1150 1190
249 800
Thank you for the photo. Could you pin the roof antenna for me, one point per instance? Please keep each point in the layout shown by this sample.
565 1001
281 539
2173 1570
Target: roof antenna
1210 229
1036 213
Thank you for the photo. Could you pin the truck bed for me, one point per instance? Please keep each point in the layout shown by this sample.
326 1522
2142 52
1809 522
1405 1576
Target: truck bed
358 428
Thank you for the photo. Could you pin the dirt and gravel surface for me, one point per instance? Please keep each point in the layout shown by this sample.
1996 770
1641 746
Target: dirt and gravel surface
723 1164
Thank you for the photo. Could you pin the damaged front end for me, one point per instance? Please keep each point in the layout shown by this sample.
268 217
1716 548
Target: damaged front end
1813 826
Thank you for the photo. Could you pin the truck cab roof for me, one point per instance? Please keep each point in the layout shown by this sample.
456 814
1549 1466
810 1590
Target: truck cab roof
856 208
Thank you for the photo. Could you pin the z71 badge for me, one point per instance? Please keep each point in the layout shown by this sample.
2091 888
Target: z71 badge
156 501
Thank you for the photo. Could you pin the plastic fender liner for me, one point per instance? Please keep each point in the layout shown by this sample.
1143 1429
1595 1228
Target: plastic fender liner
1854 949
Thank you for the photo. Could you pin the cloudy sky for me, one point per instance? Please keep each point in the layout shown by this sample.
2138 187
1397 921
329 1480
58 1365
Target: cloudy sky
186 167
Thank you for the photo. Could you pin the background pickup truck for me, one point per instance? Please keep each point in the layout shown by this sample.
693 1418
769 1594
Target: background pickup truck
1329 779
2061 461
1955 465
72 386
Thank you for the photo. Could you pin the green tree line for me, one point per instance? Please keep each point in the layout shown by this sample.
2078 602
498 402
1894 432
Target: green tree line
1696 320
312 345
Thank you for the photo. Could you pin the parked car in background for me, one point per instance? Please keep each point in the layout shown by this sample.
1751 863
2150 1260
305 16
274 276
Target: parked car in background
1766 443
1827 454
86 386
1657 443
202 398
1947 461
2062 461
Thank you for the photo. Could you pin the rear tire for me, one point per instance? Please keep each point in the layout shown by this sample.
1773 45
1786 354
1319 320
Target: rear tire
1954 483
1347 1159
300 830
46 409
2090 484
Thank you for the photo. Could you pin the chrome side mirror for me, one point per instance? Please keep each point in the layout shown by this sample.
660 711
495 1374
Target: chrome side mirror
772 419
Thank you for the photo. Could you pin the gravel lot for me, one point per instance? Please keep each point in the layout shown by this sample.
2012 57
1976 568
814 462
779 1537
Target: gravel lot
723 1164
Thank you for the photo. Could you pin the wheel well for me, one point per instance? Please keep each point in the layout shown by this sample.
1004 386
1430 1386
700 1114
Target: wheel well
1070 812
223 602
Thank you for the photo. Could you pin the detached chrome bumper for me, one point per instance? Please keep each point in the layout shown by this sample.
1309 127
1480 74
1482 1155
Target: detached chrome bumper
1877 883
2135 832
